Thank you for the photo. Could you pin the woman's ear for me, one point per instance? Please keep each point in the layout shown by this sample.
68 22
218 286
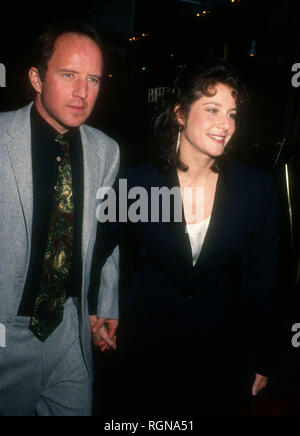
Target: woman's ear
179 115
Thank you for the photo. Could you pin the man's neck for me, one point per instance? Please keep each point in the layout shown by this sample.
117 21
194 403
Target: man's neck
50 120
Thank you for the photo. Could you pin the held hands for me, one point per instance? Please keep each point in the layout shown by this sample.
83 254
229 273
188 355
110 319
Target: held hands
259 384
104 332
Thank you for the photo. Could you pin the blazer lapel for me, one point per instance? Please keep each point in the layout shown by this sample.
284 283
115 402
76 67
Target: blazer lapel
18 144
217 228
178 229
91 179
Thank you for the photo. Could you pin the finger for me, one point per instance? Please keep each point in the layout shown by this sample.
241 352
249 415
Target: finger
112 332
98 340
102 345
105 336
98 325
93 320
258 386
255 387
262 386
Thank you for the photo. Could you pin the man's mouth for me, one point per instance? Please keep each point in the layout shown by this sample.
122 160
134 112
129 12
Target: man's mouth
75 108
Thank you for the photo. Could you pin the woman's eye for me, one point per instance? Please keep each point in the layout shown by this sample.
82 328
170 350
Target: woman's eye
233 116
212 110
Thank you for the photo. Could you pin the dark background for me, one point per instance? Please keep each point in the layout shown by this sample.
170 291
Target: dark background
176 32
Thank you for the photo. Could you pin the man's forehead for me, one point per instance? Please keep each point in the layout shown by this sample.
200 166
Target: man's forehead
73 48
69 42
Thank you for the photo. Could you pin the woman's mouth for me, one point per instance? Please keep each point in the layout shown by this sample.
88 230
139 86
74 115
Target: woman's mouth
218 139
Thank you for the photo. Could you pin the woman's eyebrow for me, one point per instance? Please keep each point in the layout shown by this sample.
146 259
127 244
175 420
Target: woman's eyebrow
218 104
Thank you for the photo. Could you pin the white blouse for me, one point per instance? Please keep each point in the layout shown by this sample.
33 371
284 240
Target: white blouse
197 233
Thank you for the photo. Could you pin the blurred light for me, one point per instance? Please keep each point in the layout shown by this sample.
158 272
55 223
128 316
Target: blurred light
253 51
110 76
204 13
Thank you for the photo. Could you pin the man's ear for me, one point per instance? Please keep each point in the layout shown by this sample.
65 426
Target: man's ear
35 79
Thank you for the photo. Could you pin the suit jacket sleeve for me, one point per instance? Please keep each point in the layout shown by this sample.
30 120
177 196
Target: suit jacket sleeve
106 259
259 266
106 305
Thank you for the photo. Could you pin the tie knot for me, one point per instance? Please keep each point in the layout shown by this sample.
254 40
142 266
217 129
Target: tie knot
63 142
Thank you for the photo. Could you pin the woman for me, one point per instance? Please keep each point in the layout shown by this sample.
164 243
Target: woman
198 321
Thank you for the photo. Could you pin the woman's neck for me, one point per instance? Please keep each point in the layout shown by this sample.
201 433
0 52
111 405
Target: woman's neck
199 166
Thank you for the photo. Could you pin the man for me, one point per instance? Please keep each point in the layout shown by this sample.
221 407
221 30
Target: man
52 165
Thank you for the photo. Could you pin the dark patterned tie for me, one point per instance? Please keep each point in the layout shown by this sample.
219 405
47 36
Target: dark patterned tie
49 304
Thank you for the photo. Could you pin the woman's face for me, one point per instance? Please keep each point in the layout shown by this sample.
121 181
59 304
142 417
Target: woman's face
210 123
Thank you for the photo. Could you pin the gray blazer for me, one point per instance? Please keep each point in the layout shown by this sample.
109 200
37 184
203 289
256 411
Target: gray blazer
101 165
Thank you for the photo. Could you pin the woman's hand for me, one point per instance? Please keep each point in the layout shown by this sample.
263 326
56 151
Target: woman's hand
259 384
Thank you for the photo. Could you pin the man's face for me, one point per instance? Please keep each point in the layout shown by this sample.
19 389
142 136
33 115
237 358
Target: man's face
67 95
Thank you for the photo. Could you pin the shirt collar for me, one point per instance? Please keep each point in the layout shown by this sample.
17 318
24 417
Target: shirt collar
44 129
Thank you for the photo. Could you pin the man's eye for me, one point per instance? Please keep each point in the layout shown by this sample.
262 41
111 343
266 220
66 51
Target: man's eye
68 75
94 80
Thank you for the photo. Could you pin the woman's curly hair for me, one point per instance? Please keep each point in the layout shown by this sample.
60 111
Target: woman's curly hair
190 84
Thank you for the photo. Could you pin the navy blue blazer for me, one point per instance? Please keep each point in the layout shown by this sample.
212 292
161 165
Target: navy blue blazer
225 302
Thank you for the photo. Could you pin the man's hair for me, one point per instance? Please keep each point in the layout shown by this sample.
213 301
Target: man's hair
46 42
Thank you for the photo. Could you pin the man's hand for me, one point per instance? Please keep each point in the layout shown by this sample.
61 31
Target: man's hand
104 332
259 384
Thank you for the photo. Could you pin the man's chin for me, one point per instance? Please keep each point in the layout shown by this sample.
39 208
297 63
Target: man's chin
74 122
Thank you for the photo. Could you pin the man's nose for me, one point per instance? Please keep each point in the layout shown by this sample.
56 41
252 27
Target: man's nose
81 89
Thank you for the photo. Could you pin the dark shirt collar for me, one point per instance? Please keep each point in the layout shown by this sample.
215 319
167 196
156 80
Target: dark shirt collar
44 129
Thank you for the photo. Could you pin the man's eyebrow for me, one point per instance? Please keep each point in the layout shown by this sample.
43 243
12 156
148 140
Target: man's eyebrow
66 70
